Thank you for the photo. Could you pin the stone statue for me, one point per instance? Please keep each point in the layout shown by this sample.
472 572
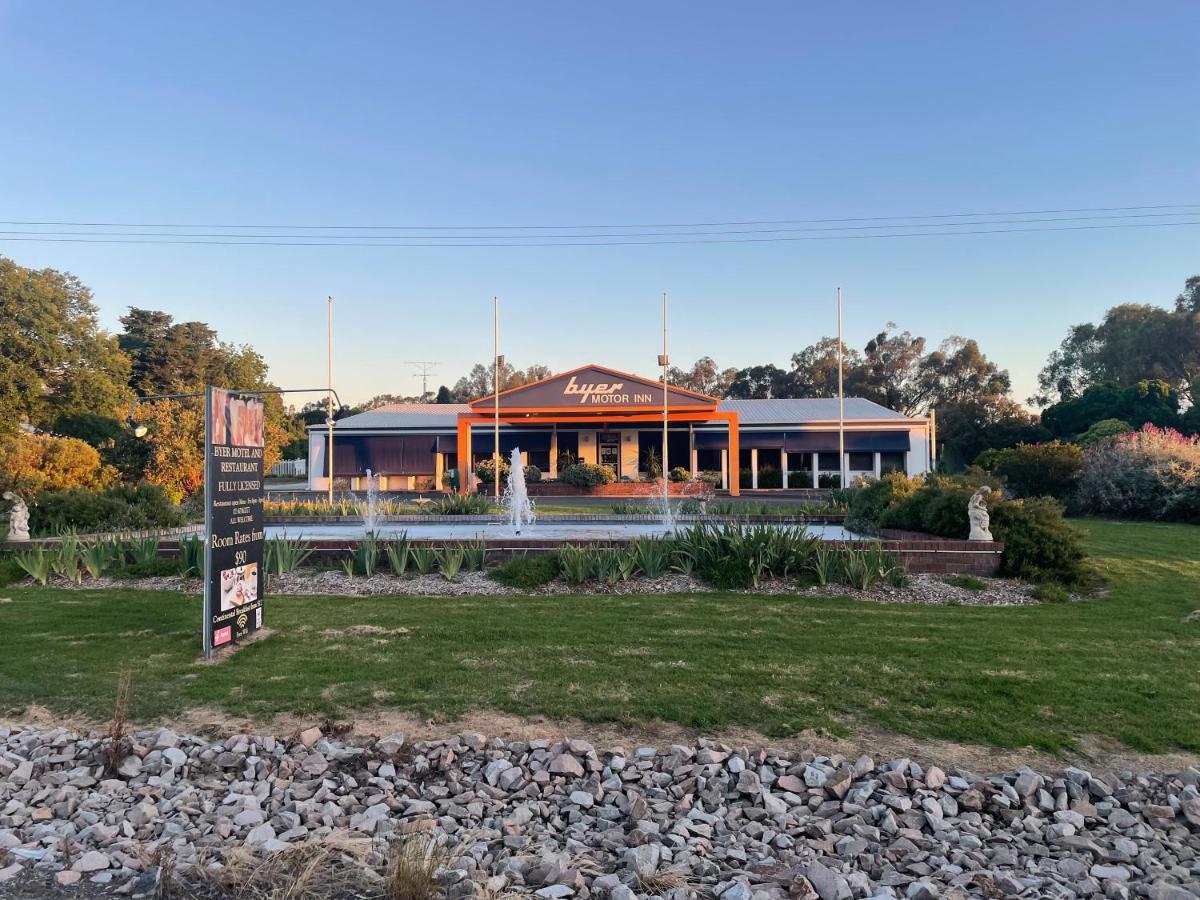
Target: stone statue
18 518
978 514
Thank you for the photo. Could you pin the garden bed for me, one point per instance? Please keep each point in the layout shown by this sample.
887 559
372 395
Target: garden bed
918 589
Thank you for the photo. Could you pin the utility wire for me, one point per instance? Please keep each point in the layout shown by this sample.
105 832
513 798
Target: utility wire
557 237
1025 212
249 242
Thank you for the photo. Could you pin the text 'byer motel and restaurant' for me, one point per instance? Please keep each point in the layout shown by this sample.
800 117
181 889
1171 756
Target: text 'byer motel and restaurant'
598 415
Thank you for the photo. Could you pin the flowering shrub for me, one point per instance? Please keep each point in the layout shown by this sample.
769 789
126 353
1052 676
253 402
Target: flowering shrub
1149 474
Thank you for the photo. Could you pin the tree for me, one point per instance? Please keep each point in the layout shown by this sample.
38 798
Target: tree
890 368
54 358
704 377
762 383
1134 342
957 373
32 463
815 370
479 381
176 442
443 395
1146 401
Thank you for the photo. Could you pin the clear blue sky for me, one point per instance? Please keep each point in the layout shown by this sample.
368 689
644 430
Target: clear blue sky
631 113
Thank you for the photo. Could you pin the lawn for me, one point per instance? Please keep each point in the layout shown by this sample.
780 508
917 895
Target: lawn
1125 665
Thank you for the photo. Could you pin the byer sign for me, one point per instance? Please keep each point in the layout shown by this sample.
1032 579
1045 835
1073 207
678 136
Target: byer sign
600 393
594 386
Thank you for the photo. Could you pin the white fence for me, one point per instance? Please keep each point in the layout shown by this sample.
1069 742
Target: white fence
296 468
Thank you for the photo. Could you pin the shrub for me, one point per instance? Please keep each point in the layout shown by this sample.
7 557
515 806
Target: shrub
1049 592
1036 470
800 478
1147 474
1038 542
1104 431
486 471
770 477
587 475
120 508
829 480
33 463
532 474
679 474
527 573
459 505
868 503
710 478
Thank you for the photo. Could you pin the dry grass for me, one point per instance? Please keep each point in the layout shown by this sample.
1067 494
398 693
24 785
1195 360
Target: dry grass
118 744
412 867
306 872
661 882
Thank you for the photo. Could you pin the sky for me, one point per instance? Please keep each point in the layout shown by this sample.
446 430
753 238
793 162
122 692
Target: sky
627 114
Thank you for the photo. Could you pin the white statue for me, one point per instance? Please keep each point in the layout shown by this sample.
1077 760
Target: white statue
18 518
978 514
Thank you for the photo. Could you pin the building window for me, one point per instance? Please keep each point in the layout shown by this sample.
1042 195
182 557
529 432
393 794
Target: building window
828 462
891 462
861 462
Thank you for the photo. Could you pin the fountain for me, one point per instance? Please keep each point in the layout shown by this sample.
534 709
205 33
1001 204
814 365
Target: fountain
370 512
664 504
516 500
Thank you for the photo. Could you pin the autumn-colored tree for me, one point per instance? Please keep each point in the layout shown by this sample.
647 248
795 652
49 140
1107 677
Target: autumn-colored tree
176 440
32 463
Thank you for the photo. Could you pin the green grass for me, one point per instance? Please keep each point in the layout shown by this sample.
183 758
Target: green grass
1124 665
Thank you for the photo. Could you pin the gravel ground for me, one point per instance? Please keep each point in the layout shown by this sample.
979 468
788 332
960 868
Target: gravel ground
920 589
562 819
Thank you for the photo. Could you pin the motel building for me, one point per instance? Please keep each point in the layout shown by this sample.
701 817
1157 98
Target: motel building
598 415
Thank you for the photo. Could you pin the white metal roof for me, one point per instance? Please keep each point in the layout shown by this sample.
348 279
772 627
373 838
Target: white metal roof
805 409
444 416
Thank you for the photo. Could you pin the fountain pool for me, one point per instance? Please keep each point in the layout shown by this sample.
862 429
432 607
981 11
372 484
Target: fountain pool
555 529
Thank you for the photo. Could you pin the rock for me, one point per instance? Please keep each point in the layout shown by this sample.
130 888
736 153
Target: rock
131 767
309 736
67 877
828 884
554 891
260 835
643 860
92 861
1104 873
566 764
582 798
10 872
1190 807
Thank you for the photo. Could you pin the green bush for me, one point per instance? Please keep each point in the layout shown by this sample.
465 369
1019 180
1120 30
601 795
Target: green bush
829 480
1036 470
532 474
10 570
800 478
587 475
770 477
486 470
1103 431
459 505
679 474
1038 543
125 507
868 503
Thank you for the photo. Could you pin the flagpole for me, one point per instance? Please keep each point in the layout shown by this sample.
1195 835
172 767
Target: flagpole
496 396
841 401
664 361
329 384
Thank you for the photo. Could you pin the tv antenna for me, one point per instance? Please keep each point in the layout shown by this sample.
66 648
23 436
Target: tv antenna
425 368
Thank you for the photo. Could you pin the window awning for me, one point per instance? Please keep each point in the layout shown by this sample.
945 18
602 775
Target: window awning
382 454
808 441
485 442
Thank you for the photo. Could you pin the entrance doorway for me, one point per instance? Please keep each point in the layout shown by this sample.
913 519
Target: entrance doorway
609 452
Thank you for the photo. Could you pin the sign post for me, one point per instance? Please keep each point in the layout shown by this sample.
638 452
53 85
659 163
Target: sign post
233 516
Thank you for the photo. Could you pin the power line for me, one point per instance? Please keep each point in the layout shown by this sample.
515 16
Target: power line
589 243
557 237
1025 212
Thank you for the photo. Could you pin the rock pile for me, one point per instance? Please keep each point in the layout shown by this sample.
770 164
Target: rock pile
565 819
